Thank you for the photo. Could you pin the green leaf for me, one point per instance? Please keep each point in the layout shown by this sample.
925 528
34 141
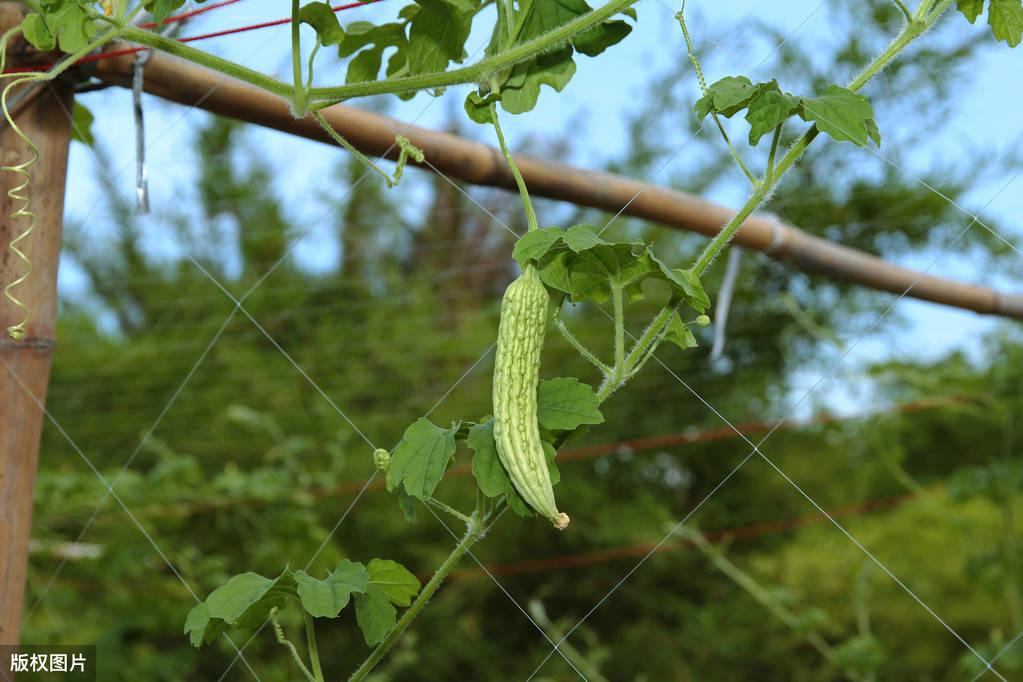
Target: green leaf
360 34
421 458
726 96
552 468
321 17
200 628
477 107
407 505
365 66
704 106
554 271
565 403
325 598
490 474
36 32
521 91
520 85
161 9
692 287
678 333
394 580
590 273
767 110
535 245
582 237
842 114
81 125
594 41
971 9
71 24
246 599
517 504
486 467
372 40
375 614
1006 20
437 36
593 272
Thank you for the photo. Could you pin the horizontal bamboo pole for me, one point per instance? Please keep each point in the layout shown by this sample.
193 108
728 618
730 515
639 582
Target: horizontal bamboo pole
179 81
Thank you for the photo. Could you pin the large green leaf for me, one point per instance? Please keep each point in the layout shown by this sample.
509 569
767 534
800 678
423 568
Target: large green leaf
520 85
565 403
37 33
971 9
437 36
522 89
768 109
535 245
486 467
422 457
200 628
243 601
70 23
490 474
325 598
842 114
394 580
375 614
372 41
324 21
1006 20
726 96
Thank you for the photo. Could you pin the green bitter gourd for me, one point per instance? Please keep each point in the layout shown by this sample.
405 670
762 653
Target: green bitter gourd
516 374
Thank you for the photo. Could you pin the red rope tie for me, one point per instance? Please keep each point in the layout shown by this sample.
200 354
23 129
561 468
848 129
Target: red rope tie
188 15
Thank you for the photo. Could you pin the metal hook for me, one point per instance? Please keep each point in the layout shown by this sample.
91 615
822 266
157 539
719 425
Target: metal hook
725 301
141 171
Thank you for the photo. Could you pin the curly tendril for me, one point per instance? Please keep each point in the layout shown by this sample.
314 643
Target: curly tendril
20 196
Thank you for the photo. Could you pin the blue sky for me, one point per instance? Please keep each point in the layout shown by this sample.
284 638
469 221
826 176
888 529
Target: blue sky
594 106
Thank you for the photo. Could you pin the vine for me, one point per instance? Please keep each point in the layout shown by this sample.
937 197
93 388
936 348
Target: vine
532 45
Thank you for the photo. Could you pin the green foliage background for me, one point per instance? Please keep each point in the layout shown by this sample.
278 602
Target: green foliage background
251 468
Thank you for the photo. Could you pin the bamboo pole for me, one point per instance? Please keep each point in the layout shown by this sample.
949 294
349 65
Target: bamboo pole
179 81
25 367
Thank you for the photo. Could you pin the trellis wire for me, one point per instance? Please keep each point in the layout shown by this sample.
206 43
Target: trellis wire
756 450
756 447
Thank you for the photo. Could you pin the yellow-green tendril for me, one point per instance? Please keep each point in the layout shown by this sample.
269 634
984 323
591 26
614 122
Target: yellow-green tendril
21 200
20 197
20 194
408 150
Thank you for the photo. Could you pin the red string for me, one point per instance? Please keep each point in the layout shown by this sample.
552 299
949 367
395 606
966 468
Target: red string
190 39
188 15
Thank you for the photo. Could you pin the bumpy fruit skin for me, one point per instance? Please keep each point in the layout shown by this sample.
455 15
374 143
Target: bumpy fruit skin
516 374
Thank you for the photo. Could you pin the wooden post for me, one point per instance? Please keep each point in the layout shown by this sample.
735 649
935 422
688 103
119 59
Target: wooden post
25 367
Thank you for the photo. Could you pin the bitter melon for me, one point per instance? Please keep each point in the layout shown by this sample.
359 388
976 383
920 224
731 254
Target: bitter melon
516 374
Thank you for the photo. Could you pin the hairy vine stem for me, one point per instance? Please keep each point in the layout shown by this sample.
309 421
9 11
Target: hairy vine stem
331 95
298 100
925 17
626 365
475 530
527 203
286 643
314 652
478 524
703 89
